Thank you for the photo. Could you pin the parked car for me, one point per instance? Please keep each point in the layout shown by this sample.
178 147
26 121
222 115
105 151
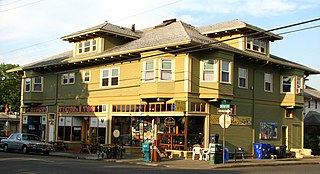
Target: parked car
26 143
2 136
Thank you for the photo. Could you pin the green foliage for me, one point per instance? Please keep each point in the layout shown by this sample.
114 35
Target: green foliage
9 87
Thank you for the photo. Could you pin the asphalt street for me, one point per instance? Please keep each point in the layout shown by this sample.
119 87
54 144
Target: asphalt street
15 162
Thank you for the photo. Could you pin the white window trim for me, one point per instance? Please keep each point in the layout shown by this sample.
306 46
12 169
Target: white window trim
25 84
301 84
33 83
271 83
84 76
144 71
281 84
172 70
229 71
109 77
90 46
202 63
246 78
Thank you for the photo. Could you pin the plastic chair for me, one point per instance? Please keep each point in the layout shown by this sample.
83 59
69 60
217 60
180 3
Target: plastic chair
196 151
206 154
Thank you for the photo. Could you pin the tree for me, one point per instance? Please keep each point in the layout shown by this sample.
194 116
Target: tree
9 87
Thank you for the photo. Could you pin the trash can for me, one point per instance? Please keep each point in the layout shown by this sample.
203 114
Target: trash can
280 151
226 154
216 153
146 151
258 153
266 148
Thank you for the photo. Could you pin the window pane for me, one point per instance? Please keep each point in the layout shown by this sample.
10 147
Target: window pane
94 45
249 41
114 81
225 66
71 78
105 73
87 46
105 82
225 76
242 82
208 64
37 80
208 76
166 75
149 65
114 72
268 86
262 48
37 87
166 64
149 75
256 44
242 72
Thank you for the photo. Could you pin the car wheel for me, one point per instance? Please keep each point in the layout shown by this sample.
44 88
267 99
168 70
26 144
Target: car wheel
5 148
46 153
25 150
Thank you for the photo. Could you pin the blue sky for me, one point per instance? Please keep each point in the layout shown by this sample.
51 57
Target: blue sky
30 29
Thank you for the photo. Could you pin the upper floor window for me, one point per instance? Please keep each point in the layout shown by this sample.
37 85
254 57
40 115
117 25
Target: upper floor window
225 72
110 77
289 113
268 82
149 70
166 70
87 46
243 82
316 104
27 85
86 76
208 70
37 84
256 44
286 83
67 78
299 84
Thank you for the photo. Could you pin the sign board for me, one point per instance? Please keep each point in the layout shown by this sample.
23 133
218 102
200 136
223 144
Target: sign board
223 111
224 104
227 118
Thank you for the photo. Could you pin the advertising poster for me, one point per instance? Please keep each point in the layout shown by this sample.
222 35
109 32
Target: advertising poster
61 121
68 121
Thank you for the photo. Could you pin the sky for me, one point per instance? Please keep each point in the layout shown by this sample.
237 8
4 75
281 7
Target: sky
30 30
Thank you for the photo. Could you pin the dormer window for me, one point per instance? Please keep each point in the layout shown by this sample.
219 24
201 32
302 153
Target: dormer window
87 46
256 45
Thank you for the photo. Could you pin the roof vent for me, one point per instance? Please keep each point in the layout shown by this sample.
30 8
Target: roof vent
133 27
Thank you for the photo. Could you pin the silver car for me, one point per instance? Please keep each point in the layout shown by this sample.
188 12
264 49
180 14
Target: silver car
26 143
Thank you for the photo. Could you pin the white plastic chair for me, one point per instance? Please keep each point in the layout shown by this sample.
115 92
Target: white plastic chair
206 154
196 151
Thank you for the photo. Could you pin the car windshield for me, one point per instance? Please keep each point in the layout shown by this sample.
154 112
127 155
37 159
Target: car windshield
30 137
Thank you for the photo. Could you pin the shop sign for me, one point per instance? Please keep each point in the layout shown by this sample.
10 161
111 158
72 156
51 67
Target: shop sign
102 122
36 109
68 109
93 122
88 108
25 120
169 122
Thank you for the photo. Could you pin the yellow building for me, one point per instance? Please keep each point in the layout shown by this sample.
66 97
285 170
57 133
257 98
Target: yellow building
125 86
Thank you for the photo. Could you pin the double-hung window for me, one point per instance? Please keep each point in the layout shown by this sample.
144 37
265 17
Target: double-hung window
37 84
67 78
80 47
286 83
110 77
256 44
149 70
86 76
87 46
27 85
268 82
94 45
208 70
243 82
166 70
299 84
225 72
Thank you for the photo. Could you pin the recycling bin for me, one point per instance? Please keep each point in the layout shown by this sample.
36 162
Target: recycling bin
216 153
146 151
226 154
258 153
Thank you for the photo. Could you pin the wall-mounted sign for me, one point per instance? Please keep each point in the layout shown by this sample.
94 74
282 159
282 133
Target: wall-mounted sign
169 122
62 121
102 122
68 121
36 109
25 120
68 109
116 133
44 120
93 122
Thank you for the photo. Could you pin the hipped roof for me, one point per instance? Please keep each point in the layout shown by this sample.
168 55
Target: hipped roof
173 34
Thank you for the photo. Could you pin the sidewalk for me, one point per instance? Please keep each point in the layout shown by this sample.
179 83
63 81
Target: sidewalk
180 163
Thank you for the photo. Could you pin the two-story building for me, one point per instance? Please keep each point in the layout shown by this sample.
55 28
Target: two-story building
126 86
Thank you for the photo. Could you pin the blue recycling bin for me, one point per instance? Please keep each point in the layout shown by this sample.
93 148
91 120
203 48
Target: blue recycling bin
258 153
146 151
226 154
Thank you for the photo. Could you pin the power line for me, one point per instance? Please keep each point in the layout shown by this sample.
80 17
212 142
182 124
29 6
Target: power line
10 3
20 6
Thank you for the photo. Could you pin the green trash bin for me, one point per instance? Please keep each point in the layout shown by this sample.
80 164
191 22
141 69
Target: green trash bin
216 153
